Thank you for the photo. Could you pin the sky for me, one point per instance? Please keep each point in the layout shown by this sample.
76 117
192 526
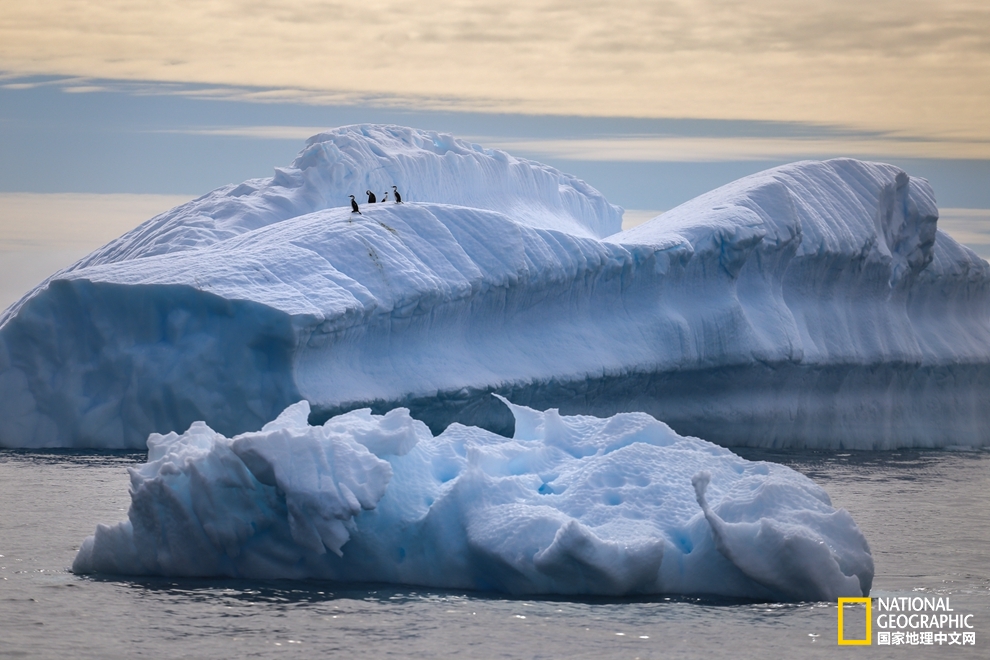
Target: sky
136 105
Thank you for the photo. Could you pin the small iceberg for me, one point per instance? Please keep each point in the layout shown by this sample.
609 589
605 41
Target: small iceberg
571 505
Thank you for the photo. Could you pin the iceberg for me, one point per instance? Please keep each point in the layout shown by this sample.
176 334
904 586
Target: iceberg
569 505
811 305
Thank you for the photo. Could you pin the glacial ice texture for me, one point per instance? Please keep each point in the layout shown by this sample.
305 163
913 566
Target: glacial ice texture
570 505
811 305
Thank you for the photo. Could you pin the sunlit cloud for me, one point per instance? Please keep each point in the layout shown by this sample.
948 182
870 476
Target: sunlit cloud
635 217
80 221
714 149
20 83
295 133
672 148
915 67
43 233
968 226
84 89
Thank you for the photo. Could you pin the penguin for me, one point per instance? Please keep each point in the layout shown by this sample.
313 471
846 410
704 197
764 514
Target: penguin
398 197
385 198
371 197
354 206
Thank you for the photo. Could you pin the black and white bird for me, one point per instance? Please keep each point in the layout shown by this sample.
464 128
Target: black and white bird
385 198
398 197
371 197
354 206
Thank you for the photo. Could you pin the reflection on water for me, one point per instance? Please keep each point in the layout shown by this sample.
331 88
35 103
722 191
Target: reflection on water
888 465
89 458
310 592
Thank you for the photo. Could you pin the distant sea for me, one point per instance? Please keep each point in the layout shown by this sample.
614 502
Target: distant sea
926 515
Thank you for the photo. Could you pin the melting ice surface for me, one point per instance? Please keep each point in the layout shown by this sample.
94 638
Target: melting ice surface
570 505
811 305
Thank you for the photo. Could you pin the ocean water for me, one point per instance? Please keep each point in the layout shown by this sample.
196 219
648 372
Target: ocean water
926 515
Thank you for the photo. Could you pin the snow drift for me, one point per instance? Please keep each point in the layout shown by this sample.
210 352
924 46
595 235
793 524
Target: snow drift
812 305
570 505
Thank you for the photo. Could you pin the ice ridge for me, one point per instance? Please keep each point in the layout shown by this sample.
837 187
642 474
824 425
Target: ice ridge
426 166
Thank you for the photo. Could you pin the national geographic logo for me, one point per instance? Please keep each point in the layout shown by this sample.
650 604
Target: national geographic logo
906 621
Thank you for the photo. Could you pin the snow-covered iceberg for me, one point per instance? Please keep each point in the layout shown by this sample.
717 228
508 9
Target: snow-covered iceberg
814 304
570 505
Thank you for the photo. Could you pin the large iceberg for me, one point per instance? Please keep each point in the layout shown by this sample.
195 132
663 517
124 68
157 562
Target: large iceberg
814 305
570 505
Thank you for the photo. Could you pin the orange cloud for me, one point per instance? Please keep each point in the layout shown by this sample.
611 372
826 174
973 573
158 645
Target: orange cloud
917 67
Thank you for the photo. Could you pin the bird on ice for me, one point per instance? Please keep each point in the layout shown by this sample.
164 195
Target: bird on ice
354 206
398 197
385 198
371 197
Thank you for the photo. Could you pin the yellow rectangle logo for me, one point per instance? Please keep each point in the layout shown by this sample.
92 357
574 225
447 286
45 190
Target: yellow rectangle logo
869 622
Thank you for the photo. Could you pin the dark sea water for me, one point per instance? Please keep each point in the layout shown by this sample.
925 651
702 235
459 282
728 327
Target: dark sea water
925 514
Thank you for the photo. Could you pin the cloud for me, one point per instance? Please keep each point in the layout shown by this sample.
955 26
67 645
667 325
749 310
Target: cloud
968 226
84 89
75 221
673 148
43 233
727 148
294 133
915 66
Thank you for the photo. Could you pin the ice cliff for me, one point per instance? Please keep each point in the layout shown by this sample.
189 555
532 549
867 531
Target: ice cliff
813 305
570 505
